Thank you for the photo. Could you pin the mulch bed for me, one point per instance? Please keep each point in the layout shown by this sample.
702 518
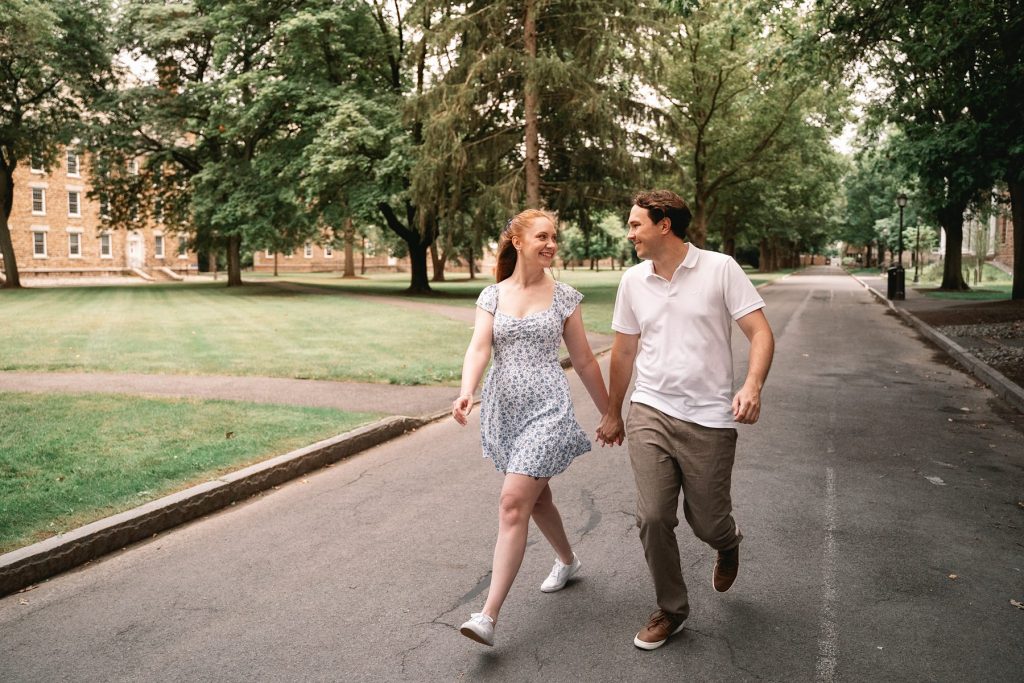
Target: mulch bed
975 313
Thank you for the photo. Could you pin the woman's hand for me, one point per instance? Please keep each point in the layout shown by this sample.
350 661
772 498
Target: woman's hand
462 407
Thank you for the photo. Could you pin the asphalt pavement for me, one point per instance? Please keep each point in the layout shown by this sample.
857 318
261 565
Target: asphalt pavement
881 498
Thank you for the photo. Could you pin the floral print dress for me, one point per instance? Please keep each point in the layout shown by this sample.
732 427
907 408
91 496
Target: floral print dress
527 424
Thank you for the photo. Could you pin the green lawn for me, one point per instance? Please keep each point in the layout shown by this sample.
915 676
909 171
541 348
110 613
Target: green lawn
83 457
598 288
212 329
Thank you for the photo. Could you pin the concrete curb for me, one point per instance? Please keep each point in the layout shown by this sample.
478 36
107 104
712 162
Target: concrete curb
22 567
995 380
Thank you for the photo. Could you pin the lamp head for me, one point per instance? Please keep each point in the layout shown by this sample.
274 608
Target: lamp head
901 200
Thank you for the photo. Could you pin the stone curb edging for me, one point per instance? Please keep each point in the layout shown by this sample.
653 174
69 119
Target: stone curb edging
995 380
25 566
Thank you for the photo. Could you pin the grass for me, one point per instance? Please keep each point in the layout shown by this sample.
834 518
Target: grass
205 329
100 454
598 288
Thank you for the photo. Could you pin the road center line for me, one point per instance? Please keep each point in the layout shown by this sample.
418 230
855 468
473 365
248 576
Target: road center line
828 645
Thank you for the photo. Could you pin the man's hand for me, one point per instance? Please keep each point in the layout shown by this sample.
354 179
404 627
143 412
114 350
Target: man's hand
611 430
746 405
461 408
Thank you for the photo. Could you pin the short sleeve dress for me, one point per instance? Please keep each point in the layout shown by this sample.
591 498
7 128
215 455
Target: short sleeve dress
527 423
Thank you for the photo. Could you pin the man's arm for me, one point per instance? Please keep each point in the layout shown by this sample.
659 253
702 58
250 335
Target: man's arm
746 405
624 349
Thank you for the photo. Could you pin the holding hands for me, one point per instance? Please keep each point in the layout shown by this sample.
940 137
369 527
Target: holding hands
611 430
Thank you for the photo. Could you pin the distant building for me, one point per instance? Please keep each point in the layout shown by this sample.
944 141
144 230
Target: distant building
57 230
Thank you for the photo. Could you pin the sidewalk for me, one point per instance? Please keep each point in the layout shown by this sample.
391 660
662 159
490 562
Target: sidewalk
986 337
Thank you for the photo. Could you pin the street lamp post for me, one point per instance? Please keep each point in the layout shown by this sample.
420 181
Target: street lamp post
897 276
917 251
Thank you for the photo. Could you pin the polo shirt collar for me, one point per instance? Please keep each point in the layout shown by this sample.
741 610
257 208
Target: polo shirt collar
689 261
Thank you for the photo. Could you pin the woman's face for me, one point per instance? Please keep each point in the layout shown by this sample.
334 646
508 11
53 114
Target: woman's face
538 243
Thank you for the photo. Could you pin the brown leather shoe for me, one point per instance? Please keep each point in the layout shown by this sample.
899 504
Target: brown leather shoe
657 631
726 568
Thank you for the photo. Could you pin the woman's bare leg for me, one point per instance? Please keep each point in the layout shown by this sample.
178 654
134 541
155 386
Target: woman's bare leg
549 521
519 496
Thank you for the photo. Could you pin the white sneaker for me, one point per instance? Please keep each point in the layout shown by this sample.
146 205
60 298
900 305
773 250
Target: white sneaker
560 575
480 628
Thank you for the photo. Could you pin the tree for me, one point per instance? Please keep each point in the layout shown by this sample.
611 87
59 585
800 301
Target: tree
53 60
741 84
951 73
531 104
219 125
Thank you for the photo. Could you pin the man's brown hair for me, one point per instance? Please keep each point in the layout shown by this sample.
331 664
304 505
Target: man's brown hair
665 204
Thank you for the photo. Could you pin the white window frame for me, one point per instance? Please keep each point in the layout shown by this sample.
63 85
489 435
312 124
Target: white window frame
328 251
36 169
132 167
158 245
307 250
268 254
74 237
78 203
182 248
42 197
105 236
40 230
77 173
104 206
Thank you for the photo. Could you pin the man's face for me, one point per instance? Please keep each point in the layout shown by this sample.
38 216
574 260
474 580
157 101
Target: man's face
645 235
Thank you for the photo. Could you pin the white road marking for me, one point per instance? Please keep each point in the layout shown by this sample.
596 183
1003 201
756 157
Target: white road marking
828 638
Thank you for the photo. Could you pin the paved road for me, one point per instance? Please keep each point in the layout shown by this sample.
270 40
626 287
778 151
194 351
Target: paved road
877 473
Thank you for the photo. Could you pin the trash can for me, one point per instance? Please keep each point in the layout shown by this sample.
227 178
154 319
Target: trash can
896 289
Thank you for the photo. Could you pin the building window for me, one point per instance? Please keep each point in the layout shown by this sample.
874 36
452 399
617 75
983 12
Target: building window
75 245
158 209
38 201
74 204
105 246
158 247
308 250
72 164
328 252
182 248
35 164
268 254
39 244
133 167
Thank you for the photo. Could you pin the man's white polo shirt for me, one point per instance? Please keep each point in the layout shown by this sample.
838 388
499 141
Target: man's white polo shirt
684 362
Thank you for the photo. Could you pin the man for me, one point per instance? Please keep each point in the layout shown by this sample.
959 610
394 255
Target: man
673 316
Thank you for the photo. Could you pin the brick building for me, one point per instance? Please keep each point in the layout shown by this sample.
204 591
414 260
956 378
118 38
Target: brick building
57 230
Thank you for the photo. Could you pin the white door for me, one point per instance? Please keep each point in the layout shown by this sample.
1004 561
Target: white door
136 255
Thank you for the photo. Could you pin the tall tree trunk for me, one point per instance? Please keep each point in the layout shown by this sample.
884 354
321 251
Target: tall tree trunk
531 102
235 261
951 218
420 283
1017 213
697 233
438 261
472 263
362 257
275 264
12 279
417 242
211 262
350 238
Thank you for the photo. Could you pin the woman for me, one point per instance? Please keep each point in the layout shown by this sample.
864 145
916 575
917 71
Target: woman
527 424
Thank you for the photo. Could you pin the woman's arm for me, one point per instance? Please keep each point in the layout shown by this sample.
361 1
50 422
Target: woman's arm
477 356
583 361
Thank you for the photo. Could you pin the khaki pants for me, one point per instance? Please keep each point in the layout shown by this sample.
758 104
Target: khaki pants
669 455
